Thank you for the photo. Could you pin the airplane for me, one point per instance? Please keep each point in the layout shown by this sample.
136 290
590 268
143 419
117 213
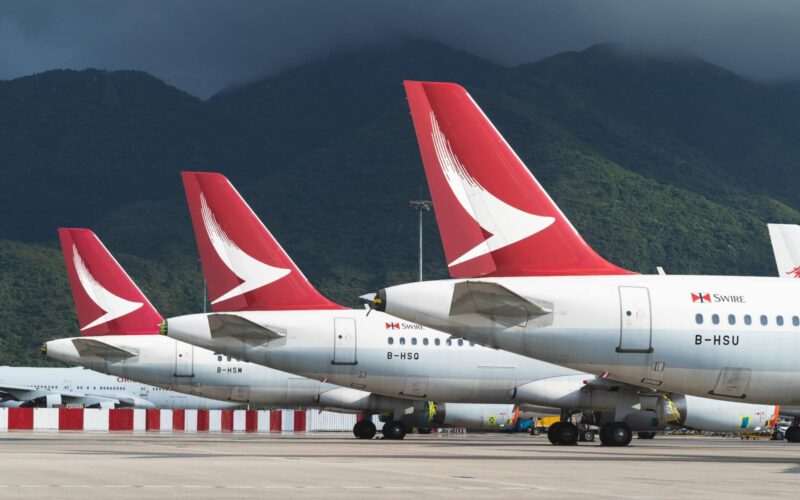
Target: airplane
785 240
267 312
120 329
524 280
44 387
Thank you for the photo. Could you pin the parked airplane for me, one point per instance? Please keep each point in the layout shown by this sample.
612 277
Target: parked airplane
785 239
266 311
48 387
120 329
525 281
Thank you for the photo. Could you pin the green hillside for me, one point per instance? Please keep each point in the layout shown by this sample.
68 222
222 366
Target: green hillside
657 160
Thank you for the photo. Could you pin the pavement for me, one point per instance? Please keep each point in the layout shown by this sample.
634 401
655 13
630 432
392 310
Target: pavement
37 465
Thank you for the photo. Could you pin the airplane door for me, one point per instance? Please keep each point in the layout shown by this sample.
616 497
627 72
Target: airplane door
635 322
344 341
184 362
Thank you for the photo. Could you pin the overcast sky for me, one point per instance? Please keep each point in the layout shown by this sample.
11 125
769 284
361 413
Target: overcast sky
204 45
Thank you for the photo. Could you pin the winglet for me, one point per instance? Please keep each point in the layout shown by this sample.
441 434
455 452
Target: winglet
246 269
107 301
494 217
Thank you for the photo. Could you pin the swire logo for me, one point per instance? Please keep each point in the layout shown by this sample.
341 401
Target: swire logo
392 326
701 297
795 273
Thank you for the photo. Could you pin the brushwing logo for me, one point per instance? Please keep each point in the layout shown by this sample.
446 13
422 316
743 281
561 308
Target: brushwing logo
701 297
253 273
506 224
794 273
113 306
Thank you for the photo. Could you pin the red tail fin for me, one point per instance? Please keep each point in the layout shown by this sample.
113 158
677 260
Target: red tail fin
107 300
246 269
494 217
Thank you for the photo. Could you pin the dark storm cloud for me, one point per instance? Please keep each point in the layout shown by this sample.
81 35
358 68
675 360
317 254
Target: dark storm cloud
204 45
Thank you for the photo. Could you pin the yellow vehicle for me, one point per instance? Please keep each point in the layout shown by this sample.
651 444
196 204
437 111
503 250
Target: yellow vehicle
543 423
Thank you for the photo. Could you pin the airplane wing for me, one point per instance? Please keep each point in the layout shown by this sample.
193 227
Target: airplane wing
231 325
94 347
496 301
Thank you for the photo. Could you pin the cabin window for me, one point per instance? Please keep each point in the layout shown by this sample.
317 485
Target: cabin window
795 321
390 340
437 341
763 320
472 343
219 358
413 340
747 319
779 320
715 319
449 341
731 319
698 318
460 342
402 341
425 341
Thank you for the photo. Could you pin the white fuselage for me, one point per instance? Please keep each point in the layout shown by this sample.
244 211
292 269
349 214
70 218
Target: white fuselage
82 386
379 353
730 338
187 369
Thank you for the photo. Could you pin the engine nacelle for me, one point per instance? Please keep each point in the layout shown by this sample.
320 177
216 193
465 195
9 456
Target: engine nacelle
472 416
723 416
52 400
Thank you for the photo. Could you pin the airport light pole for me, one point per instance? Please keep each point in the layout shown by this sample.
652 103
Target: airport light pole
420 206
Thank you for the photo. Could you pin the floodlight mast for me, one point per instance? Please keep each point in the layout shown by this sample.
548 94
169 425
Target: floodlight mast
420 206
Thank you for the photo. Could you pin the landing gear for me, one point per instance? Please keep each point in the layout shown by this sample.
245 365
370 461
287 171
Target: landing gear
646 435
394 430
364 429
424 430
563 434
586 436
792 434
616 434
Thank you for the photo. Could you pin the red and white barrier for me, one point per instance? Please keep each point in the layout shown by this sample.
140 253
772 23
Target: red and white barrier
80 419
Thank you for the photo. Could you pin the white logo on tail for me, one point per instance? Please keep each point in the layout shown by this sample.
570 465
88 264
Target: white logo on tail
253 273
113 306
507 224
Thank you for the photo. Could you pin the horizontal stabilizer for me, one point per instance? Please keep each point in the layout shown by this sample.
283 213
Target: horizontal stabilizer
91 347
496 301
231 325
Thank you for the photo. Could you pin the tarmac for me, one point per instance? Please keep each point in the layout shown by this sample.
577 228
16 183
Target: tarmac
37 465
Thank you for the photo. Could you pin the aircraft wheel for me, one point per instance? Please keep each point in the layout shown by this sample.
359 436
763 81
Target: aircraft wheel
586 435
793 434
424 430
646 435
364 429
616 434
563 434
551 433
394 430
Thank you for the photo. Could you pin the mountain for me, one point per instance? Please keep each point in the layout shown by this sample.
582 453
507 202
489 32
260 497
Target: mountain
658 159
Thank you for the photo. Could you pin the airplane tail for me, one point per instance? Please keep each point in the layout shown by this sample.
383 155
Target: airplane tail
246 269
785 239
107 300
494 217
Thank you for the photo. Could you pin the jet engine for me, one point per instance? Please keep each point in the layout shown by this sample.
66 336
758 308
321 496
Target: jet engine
472 416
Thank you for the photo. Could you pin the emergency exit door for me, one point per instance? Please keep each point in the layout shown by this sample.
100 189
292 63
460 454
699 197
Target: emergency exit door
636 325
344 341
184 360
